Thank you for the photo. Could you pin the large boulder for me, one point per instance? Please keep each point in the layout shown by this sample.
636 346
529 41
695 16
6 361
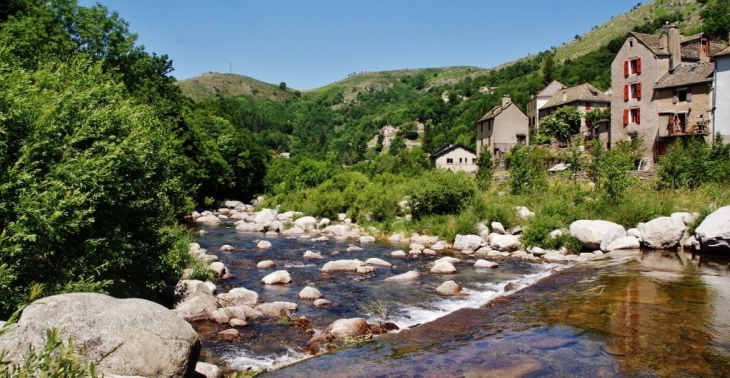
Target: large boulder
592 232
310 293
264 216
626 242
662 233
193 298
611 236
348 328
504 243
306 223
463 242
443 267
449 288
127 337
713 234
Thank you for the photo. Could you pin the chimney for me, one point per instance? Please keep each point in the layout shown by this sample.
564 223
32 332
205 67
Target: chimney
663 37
565 96
506 100
675 49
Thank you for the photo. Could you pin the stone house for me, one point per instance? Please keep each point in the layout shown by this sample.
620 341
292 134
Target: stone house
502 128
721 99
658 82
454 158
584 98
538 101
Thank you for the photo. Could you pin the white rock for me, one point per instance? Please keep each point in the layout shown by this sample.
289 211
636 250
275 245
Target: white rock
378 262
464 242
278 277
713 234
415 252
264 244
265 264
321 239
524 212
592 232
556 233
396 238
634 232
498 228
348 328
306 223
417 246
365 269
321 303
367 239
443 267
227 247
232 204
341 266
626 242
398 254
208 219
265 215
206 370
485 264
293 231
684 217
612 235
439 246
662 233
537 251
310 293
220 270
407 276
448 288
277 308
313 255
341 217
246 227
429 252
504 243
324 222
354 248
553 256
239 296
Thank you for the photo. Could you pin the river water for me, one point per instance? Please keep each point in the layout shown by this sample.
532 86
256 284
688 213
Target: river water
631 314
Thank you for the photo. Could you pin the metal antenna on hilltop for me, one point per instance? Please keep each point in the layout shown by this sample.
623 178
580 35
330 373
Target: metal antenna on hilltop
230 66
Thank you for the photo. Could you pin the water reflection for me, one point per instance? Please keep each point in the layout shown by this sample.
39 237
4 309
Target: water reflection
657 314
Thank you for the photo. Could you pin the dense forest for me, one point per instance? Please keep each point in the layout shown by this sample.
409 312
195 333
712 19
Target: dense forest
101 154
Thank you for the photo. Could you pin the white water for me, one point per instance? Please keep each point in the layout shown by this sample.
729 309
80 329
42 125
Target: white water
243 361
409 316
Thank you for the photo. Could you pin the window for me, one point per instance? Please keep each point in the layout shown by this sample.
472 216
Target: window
473 160
682 95
588 106
632 91
632 67
459 160
449 161
521 138
632 115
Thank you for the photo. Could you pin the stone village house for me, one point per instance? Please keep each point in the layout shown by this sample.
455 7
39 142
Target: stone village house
662 89
584 98
538 101
502 128
454 157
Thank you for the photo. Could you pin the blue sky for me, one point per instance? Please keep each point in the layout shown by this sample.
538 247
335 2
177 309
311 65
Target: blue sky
312 43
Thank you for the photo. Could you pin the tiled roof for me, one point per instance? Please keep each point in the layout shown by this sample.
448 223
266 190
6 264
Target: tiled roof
448 148
497 110
687 74
726 51
583 93
651 42
550 89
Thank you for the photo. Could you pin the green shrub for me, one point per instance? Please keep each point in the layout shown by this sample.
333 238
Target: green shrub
56 359
528 168
441 192
690 164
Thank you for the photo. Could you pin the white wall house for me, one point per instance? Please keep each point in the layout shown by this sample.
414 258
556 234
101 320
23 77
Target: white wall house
722 94
454 158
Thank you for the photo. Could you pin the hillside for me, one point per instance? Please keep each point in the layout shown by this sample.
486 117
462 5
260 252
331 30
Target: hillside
619 25
213 84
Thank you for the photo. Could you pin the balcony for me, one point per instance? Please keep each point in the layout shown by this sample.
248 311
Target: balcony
679 128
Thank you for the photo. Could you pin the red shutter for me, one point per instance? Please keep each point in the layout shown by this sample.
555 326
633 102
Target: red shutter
638 91
638 65
588 106
638 116
626 92
626 117
626 68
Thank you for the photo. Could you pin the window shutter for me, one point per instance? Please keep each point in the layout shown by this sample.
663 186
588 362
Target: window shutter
638 91
626 92
638 65
638 116
675 98
689 96
626 68
626 117
588 106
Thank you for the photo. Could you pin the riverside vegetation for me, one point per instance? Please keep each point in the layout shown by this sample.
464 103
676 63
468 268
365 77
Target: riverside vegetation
101 155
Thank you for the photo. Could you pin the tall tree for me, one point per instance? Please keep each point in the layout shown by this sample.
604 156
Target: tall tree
549 71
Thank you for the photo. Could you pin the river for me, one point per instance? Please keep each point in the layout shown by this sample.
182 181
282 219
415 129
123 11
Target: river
636 313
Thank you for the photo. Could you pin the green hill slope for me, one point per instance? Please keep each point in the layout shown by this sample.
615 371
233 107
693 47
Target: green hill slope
213 84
